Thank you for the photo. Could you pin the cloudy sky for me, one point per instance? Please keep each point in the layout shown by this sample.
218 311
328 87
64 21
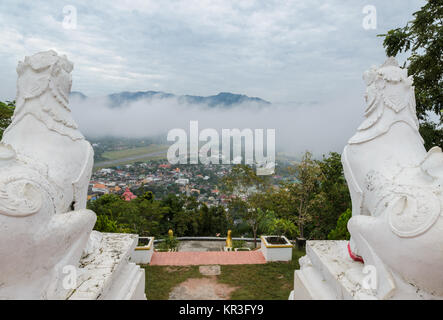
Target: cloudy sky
281 51
306 57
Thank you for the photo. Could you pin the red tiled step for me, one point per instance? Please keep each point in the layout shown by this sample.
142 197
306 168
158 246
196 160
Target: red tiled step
207 258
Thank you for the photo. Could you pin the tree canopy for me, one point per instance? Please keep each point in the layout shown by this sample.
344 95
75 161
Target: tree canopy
423 39
6 112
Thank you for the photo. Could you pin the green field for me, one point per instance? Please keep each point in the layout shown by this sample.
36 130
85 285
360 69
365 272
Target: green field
160 280
270 281
148 153
120 154
128 156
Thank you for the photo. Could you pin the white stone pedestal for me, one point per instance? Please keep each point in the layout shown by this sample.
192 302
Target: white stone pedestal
276 252
107 274
328 273
143 255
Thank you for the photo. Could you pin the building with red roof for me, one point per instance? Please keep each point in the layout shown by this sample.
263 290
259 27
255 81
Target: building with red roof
128 195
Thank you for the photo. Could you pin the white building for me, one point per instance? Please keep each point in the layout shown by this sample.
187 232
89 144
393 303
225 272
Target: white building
182 181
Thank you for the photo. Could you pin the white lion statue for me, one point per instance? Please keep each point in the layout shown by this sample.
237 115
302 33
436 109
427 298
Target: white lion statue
396 189
45 167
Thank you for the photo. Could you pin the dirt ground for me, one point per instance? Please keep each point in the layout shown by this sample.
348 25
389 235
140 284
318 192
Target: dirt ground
201 289
206 288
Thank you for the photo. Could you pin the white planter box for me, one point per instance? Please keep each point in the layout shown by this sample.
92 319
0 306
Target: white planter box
143 255
276 252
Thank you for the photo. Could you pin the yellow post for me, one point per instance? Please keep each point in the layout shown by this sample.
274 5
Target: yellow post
229 240
170 233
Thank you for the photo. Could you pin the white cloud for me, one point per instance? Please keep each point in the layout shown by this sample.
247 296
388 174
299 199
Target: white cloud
281 51
317 128
272 49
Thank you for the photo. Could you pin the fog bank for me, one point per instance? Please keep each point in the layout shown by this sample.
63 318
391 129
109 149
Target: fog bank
319 128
